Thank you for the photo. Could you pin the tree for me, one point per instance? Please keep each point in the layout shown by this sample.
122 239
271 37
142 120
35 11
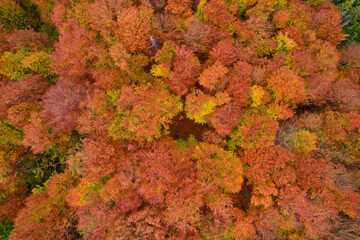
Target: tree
281 18
62 103
165 28
319 87
199 105
345 95
39 62
23 94
211 76
303 63
327 21
151 111
161 168
28 39
350 56
224 52
46 210
103 14
118 190
225 118
254 131
349 11
326 56
182 8
316 216
11 64
186 69
74 50
216 12
17 16
218 168
239 89
45 7
97 114
109 78
286 86
92 111
200 36
36 134
95 153
266 163
297 140
19 115
178 66
134 29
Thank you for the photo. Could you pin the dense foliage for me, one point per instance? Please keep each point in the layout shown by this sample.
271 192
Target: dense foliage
192 119
350 12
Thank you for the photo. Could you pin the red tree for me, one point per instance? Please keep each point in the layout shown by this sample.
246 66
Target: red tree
62 103
74 50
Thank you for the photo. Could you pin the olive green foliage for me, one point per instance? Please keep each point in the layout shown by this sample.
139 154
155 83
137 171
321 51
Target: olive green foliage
12 66
350 12
9 135
19 14
5 229
183 144
39 62
303 141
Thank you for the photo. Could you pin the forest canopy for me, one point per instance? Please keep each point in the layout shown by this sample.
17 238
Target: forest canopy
179 119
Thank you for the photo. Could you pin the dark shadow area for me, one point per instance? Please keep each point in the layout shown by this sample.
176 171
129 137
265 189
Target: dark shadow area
241 199
182 127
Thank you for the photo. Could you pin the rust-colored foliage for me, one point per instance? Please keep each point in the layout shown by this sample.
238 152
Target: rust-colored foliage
319 87
225 118
179 7
95 153
211 76
281 18
350 55
28 90
12 204
263 164
119 190
244 228
345 95
327 21
74 50
19 115
303 63
96 114
103 14
224 52
27 39
108 78
36 134
186 68
239 90
165 29
326 57
161 168
201 36
317 216
216 12
134 29
286 86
